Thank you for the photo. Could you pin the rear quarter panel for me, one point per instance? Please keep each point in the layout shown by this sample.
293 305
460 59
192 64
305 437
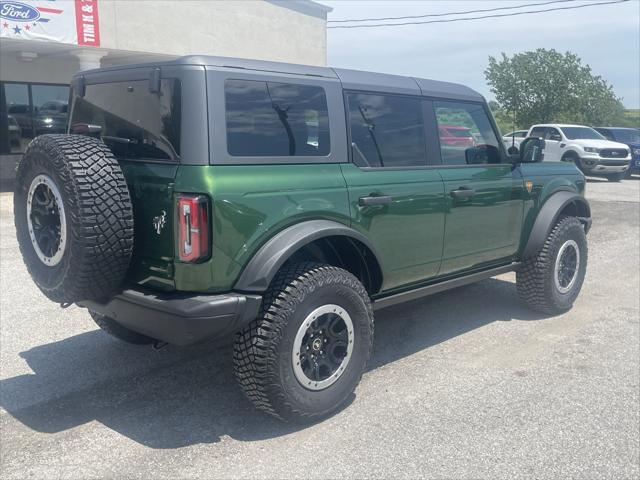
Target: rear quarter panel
250 204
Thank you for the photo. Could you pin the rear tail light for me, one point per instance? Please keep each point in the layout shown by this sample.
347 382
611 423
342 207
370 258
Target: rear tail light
193 228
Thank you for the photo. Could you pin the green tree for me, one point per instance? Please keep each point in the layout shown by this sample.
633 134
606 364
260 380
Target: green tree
547 86
503 119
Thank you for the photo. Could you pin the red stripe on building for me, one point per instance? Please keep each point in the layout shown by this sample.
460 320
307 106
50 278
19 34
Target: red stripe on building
87 23
49 10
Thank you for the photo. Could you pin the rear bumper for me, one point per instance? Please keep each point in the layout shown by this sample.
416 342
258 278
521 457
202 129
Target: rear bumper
179 318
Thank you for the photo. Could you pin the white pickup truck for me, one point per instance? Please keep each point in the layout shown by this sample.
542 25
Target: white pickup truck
588 149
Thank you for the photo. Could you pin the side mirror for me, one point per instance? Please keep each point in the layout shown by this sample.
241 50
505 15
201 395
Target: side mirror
555 138
482 154
531 150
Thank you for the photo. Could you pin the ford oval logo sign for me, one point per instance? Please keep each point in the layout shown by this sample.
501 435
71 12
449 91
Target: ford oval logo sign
18 12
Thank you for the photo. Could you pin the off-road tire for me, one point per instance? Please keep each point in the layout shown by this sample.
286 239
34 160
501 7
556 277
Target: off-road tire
535 278
98 213
113 328
262 351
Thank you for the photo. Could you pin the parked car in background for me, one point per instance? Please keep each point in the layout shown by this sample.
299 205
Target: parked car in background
51 117
456 136
628 136
514 138
588 149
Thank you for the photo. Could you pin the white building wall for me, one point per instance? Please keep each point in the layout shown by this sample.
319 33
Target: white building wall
249 29
40 70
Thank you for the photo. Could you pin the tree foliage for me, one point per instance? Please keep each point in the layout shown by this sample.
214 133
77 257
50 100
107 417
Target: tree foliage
547 86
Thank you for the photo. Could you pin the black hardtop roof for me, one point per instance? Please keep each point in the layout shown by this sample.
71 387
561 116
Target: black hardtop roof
350 79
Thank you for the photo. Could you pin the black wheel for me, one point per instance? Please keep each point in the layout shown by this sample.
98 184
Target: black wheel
616 177
303 356
550 281
572 157
113 328
73 217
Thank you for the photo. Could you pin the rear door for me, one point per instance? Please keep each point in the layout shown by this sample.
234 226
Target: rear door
484 196
395 199
142 129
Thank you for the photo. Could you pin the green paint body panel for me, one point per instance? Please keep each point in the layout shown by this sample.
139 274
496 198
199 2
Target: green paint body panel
548 178
485 228
422 236
407 232
151 189
251 203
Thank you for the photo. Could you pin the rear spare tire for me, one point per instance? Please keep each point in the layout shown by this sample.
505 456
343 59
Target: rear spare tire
73 217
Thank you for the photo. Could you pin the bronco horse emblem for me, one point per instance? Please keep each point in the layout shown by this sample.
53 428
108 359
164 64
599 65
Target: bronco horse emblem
159 222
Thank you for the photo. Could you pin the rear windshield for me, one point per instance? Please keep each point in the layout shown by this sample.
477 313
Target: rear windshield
134 122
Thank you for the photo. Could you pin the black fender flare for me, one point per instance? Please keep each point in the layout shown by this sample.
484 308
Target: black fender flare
265 263
548 215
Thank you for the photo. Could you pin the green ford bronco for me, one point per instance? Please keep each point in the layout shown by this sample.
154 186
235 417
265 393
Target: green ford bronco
284 204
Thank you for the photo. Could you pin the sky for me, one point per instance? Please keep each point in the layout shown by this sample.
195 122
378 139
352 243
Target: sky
606 37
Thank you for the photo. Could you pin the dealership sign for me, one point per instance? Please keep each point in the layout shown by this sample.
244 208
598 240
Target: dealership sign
65 21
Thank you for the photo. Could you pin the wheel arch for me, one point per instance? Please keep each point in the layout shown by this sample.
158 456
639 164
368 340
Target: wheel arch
570 153
557 204
325 241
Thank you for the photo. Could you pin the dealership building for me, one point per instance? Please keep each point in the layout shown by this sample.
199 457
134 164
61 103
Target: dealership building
43 43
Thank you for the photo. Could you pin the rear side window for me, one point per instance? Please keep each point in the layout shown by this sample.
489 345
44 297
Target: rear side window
270 119
386 130
463 127
135 123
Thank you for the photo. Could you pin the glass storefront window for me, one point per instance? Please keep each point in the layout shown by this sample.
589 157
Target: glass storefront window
28 110
50 104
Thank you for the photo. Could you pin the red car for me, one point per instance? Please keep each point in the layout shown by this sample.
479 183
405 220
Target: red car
455 136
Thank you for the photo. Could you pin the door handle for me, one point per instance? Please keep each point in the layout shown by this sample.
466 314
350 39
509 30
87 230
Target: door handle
463 192
369 201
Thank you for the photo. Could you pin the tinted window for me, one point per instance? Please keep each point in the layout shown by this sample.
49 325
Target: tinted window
606 133
539 132
553 134
16 118
135 123
469 117
50 108
388 131
269 119
585 133
624 135
22 117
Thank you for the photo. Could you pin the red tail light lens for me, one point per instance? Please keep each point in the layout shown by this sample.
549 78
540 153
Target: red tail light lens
193 228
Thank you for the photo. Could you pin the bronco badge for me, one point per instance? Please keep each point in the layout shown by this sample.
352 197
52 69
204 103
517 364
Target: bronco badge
159 222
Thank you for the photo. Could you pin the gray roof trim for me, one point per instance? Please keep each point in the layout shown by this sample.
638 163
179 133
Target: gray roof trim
350 79
306 7
377 82
435 88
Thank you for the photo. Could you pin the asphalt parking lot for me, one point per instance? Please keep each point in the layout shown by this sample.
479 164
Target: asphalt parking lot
465 384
